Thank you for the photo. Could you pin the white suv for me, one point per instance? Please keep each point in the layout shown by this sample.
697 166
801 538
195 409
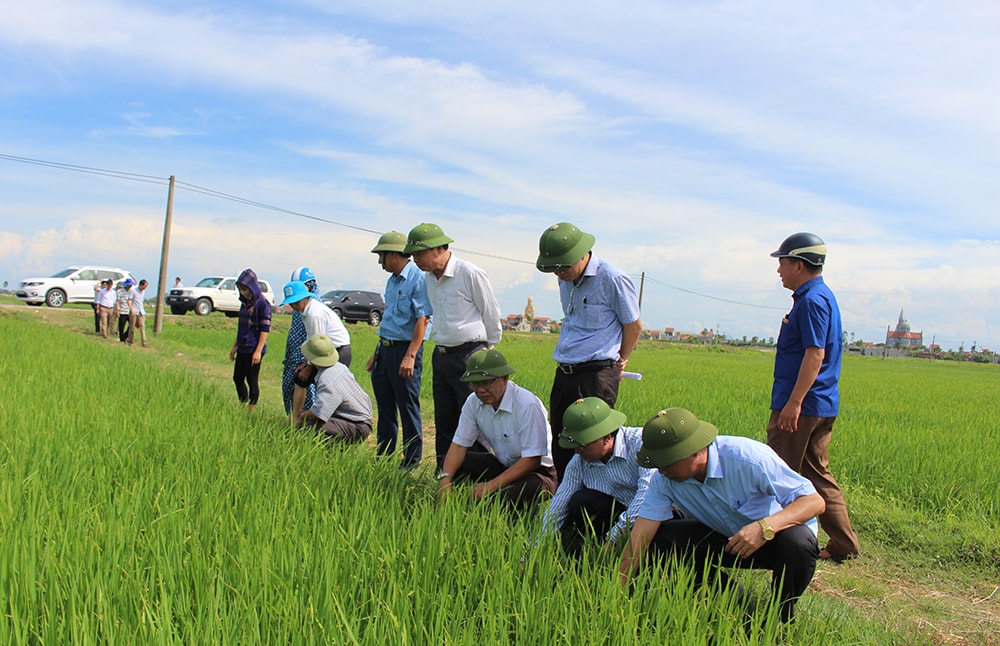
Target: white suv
211 294
71 285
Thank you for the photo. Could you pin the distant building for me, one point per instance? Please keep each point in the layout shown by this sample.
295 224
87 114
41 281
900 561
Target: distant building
902 336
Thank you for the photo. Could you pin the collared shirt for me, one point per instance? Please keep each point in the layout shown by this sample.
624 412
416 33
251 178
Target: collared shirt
338 394
405 301
465 308
621 478
744 482
814 321
595 308
320 319
138 299
106 297
519 428
122 298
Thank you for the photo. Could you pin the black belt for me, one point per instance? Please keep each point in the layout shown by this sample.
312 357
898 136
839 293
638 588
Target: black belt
586 366
390 343
444 349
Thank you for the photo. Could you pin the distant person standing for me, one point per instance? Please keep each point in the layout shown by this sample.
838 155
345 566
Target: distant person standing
600 328
250 345
137 312
97 308
396 366
317 318
805 396
106 303
122 306
466 319
293 352
177 283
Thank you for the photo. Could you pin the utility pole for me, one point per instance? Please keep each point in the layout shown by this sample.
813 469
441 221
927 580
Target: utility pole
161 288
642 283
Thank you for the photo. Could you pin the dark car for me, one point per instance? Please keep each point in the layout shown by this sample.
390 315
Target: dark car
353 305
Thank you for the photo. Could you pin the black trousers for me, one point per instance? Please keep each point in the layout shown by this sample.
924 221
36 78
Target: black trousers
480 466
449 393
589 512
791 556
566 389
123 326
245 376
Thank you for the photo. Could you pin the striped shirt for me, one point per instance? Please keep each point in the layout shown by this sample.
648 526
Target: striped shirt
621 478
338 394
595 308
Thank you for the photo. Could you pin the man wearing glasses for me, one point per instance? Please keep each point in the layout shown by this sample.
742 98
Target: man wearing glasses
603 487
502 439
600 327
466 318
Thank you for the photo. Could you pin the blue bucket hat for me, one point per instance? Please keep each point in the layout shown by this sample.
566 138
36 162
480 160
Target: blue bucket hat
295 291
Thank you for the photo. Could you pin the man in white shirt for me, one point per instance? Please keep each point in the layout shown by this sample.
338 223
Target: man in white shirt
466 318
318 319
502 439
106 300
137 311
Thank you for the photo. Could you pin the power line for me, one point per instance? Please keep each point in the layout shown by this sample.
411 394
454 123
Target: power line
193 188
714 298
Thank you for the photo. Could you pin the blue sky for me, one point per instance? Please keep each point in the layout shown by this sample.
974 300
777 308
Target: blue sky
689 138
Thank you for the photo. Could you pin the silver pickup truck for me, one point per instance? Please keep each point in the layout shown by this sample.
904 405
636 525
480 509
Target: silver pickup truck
212 294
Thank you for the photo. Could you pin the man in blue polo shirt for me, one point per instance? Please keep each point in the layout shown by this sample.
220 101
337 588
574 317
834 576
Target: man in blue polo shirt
600 327
397 364
742 507
805 395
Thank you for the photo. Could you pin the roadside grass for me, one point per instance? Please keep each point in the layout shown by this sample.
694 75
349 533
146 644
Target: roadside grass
140 503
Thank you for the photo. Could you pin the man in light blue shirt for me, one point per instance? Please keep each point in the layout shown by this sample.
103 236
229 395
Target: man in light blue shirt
600 327
603 487
740 502
397 364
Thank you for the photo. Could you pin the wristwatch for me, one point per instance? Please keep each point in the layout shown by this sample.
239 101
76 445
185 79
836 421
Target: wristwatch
445 474
766 529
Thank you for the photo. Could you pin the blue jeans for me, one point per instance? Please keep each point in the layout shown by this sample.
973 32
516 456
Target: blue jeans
393 393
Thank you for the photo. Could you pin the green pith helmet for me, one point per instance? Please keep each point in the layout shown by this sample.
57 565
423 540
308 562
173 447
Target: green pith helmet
425 236
486 364
672 435
562 245
807 247
391 241
587 420
320 351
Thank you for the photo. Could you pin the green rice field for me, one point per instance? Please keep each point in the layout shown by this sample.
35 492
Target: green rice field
141 504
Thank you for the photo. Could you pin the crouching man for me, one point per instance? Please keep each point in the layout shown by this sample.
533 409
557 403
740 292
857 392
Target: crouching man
342 410
502 439
603 487
740 502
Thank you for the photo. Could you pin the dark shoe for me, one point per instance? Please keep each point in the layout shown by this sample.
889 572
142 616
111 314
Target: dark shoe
837 558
